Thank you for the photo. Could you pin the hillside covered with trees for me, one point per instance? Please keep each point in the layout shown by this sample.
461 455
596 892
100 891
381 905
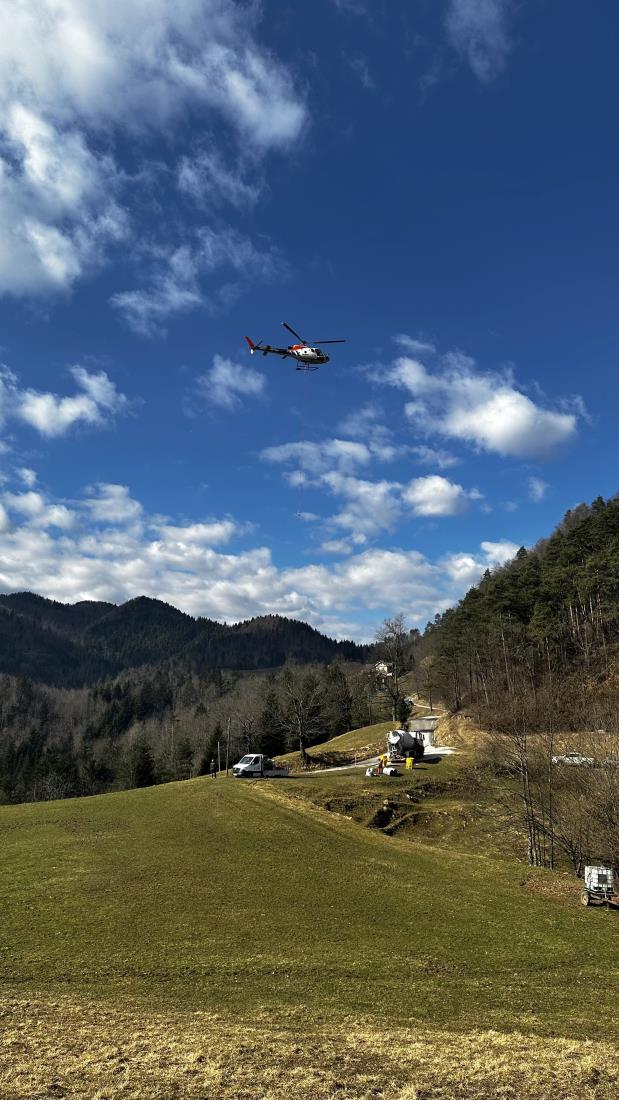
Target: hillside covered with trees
551 613
533 653
73 645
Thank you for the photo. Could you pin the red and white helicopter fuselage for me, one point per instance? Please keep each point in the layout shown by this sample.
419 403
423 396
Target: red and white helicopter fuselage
307 357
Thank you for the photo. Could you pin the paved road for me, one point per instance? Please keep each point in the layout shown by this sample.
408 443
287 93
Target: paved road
373 760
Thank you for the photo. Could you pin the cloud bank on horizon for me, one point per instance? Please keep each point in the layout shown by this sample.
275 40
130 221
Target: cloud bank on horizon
105 546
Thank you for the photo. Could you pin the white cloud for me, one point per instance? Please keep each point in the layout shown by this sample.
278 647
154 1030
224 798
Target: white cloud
363 421
466 569
318 458
174 289
413 346
336 546
369 506
226 384
112 504
52 415
487 410
498 553
175 282
537 489
436 496
78 78
208 180
431 456
27 475
58 208
37 511
480 31
314 459
175 540
117 552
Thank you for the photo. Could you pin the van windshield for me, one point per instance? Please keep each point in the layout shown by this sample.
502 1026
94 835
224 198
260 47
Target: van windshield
247 760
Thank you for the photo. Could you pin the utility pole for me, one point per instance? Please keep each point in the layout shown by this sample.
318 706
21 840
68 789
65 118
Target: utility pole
228 745
174 720
218 755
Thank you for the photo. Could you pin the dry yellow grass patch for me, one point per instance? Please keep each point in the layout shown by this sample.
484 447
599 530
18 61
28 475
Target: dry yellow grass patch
65 1048
461 732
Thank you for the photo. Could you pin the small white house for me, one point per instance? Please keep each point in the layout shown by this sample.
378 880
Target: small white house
383 668
424 729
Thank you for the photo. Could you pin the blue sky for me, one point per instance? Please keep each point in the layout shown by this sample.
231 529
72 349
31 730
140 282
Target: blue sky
435 181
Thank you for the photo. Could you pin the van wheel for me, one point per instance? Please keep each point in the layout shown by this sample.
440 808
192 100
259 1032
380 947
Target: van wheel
584 898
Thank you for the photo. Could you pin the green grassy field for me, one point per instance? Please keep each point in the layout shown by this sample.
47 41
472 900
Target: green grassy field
146 934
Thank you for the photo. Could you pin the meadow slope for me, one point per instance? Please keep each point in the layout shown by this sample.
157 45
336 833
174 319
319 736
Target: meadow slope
215 938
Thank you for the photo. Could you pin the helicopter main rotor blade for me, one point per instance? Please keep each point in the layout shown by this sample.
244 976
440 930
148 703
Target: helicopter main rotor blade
317 343
294 333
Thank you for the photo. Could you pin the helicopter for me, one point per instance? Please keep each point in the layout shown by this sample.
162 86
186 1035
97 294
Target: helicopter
307 356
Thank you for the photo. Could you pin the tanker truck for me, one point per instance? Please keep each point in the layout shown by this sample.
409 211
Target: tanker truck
401 743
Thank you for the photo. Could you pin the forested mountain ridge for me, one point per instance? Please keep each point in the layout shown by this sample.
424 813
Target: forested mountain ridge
72 645
551 614
533 652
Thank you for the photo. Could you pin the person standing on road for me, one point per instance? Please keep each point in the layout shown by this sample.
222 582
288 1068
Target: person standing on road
213 770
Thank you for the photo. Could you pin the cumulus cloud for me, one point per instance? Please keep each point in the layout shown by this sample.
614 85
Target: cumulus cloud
58 199
320 457
499 553
366 423
37 511
433 456
480 30
117 551
52 415
369 506
179 540
485 409
336 546
77 79
437 496
466 569
362 422
226 384
110 503
27 476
